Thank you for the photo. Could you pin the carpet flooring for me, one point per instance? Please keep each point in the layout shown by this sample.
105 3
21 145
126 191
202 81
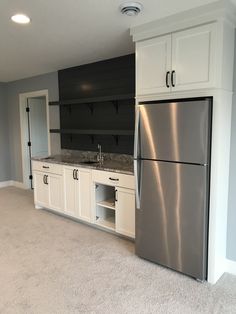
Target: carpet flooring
50 264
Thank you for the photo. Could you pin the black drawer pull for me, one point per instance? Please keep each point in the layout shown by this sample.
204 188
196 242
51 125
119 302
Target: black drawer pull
113 179
45 167
167 79
172 78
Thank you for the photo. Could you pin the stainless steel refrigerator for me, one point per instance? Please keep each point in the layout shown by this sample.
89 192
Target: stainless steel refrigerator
172 169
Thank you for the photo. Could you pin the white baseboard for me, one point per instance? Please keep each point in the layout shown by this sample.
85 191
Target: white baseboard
12 183
4 184
18 184
230 266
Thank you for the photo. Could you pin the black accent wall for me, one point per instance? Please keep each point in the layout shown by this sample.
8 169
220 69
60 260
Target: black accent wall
97 105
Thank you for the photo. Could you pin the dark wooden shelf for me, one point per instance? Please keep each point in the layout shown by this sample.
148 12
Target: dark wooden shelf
92 132
95 99
53 103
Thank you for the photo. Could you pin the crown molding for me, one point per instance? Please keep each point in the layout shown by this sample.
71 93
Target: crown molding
222 10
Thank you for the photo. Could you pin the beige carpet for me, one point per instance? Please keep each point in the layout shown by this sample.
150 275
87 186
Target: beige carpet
49 264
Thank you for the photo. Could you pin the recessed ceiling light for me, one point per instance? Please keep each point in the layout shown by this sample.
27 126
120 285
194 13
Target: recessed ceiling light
20 19
131 8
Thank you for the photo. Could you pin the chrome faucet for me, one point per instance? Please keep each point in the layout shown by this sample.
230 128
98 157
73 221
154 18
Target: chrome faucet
100 157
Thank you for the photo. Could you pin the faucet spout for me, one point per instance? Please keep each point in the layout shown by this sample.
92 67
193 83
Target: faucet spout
100 157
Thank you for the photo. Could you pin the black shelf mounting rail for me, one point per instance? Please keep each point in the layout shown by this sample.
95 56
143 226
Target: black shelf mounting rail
53 103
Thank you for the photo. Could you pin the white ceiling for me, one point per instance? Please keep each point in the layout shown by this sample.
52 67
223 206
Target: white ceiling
65 33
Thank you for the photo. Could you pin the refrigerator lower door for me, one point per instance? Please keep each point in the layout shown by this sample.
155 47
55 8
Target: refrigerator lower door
171 224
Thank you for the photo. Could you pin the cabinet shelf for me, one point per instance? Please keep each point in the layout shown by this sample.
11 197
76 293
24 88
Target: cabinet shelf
110 203
93 132
108 222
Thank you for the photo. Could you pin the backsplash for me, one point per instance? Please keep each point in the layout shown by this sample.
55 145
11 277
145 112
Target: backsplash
93 155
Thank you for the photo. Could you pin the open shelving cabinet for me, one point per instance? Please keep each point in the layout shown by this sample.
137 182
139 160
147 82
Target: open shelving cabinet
105 206
106 120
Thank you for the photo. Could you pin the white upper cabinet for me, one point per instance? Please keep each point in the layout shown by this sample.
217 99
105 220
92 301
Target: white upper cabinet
193 58
180 61
153 61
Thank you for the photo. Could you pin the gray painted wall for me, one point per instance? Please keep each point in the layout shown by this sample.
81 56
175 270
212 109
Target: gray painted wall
5 173
231 230
47 81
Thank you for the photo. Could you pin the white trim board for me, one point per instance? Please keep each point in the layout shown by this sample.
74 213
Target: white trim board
23 125
16 184
230 266
4 184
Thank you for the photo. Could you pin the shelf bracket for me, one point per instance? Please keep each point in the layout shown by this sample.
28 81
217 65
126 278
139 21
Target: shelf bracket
116 105
116 138
91 108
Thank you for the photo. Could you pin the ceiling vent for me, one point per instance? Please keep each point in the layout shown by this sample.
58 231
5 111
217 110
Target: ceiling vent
131 8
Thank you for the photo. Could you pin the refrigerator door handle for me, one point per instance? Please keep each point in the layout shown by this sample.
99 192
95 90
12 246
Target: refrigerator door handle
137 183
136 135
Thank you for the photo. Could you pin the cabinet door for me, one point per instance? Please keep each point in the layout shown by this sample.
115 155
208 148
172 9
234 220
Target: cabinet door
153 60
41 196
71 190
55 186
125 212
85 195
193 58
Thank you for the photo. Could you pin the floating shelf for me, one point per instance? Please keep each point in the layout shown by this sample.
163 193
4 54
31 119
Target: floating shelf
108 222
95 99
110 203
92 132
53 103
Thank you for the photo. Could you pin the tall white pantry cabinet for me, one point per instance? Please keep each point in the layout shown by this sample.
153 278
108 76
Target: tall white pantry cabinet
189 55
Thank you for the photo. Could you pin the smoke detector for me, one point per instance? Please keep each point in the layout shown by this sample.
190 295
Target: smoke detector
131 8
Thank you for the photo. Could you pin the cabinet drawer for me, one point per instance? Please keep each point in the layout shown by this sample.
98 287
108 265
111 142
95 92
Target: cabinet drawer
112 178
47 167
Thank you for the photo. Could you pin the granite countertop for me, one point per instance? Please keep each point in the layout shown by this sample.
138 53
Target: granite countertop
119 165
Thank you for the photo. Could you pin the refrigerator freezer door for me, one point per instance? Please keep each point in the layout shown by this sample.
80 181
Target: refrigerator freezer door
176 131
171 224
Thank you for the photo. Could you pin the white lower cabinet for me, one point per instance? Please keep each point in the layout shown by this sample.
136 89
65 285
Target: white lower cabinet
114 202
41 194
99 197
125 212
77 183
55 187
48 190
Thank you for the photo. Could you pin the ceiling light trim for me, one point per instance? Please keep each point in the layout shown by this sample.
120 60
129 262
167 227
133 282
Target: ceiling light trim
20 18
